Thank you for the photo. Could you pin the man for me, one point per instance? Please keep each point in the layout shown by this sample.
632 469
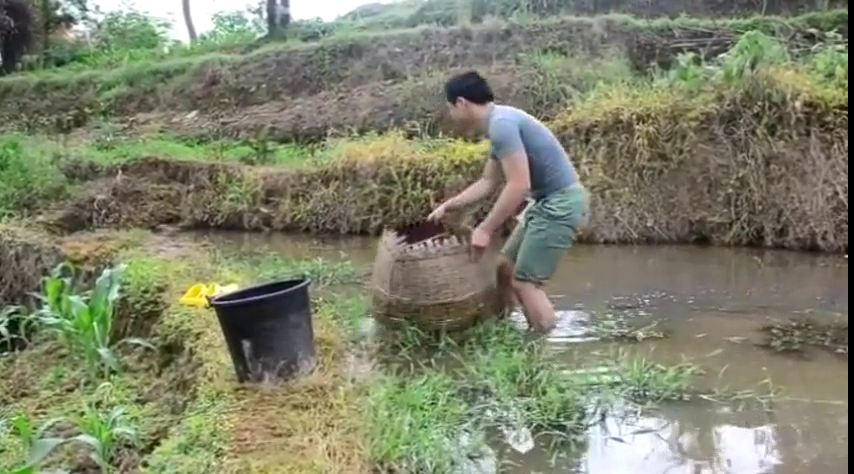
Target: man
529 159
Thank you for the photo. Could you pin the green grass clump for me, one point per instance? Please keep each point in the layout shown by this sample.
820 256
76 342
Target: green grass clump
414 424
27 178
515 379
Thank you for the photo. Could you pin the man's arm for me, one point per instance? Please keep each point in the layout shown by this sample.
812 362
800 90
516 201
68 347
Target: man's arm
510 151
478 190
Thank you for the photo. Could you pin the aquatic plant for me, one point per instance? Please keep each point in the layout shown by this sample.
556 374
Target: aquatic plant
644 381
498 380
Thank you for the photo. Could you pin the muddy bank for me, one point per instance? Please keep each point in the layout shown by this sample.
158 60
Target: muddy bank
226 83
416 105
665 167
28 251
717 168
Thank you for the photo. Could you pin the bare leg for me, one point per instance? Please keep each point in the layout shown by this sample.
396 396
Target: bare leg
536 305
505 283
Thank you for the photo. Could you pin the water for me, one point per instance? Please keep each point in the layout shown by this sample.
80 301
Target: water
713 302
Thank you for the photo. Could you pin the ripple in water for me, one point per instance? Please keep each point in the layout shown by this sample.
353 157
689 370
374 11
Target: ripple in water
573 326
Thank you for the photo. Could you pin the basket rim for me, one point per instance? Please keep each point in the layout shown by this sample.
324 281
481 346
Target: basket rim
444 248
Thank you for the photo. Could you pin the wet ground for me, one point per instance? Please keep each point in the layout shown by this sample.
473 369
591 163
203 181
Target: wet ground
712 303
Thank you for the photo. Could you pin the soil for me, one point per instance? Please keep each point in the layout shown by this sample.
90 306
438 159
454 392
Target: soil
416 105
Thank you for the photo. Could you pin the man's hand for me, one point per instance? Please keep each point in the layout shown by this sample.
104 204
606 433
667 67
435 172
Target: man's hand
438 213
480 239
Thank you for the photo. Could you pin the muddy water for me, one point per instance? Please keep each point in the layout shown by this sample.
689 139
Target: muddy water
712 302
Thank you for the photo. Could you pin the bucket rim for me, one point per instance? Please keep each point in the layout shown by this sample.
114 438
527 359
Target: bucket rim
304 281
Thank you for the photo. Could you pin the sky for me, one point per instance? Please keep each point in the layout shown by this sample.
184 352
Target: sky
202 10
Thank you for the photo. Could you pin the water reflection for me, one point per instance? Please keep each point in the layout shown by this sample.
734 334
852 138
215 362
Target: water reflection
677 447
700 439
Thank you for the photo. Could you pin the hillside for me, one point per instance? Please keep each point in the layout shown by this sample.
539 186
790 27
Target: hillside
375 81
411 13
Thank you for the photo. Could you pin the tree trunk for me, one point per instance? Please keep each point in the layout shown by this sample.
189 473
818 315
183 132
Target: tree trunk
188 20
284 14
278 16
47 12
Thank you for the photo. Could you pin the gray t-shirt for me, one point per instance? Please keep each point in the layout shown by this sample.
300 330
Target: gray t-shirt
511 130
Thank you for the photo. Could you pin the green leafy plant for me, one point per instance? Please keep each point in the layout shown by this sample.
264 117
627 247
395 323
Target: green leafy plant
753 50
37 444
84 321
104 433
829 59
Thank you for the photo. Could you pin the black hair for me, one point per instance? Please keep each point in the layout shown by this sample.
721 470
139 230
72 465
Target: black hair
471 86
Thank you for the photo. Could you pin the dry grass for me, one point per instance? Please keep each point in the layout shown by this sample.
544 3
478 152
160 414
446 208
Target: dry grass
25 256
764 163
314 425
311 425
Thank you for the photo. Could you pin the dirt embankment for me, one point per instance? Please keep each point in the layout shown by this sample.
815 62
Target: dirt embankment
371 81
446 12
416 105
674 167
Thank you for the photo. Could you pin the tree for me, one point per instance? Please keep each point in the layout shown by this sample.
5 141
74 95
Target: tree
16 33
278 16
188 20
57 15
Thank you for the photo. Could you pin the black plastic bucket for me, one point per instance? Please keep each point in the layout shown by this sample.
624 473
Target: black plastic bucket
268 329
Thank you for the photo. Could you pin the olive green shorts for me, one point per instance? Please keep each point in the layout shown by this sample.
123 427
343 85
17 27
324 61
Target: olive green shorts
549 228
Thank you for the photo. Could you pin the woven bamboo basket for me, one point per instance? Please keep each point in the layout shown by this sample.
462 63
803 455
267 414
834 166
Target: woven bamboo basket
424 275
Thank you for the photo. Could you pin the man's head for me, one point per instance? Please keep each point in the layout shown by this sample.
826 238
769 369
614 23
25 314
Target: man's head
469 97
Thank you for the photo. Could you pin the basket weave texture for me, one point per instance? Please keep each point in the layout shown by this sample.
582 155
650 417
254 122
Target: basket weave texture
424 275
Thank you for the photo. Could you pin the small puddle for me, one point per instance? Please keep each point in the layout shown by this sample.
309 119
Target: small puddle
711 303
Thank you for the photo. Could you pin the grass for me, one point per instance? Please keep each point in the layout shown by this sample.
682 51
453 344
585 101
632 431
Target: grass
107 146
498 383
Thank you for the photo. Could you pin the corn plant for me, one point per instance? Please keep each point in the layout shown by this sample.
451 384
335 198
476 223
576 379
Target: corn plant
104 433
15 326
84 321
37 445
